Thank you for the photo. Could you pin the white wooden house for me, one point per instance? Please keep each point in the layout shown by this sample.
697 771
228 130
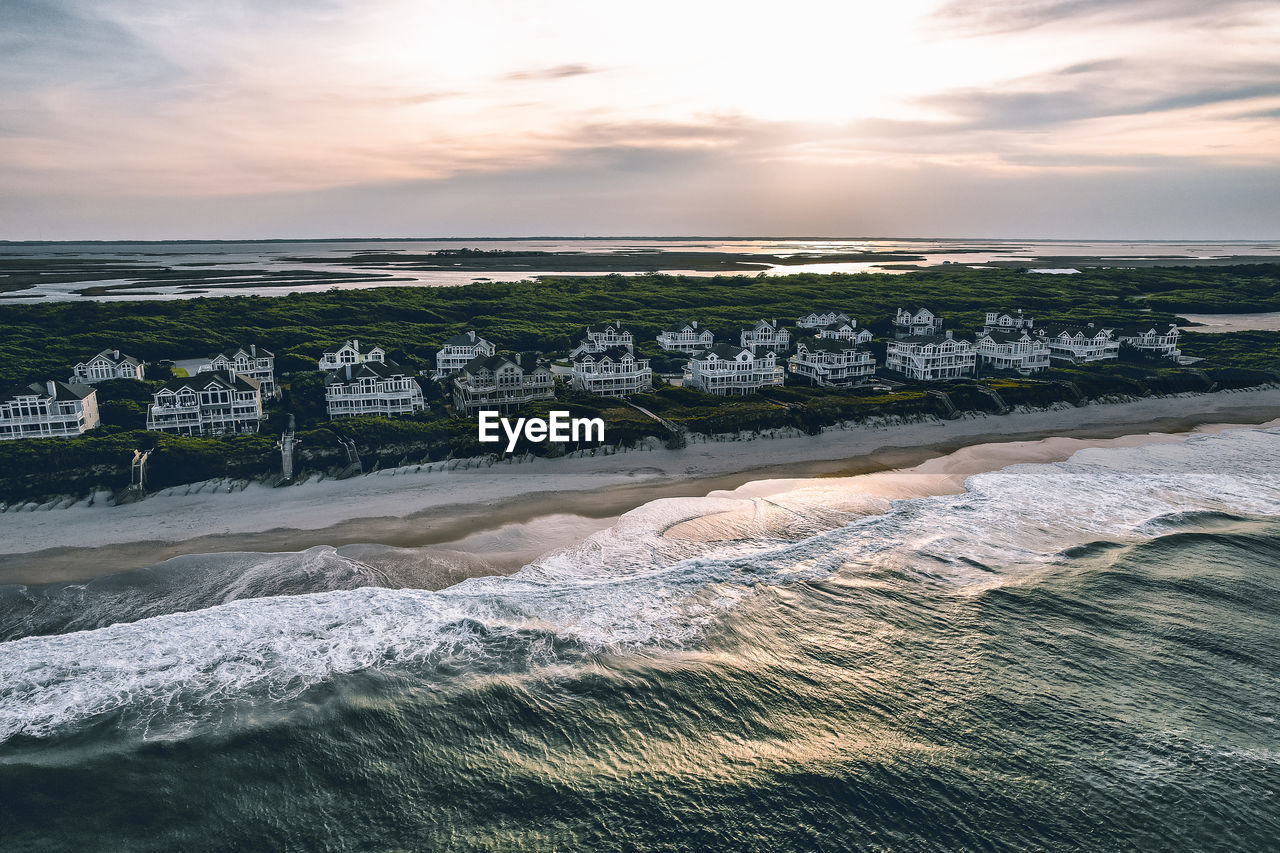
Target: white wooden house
502 383
614 372
725 369
921 323
108 364
48 410
350 353
930 357
814 320
766 335
1156 339
214 403
601 338
845 330
1012 350
1078 344
251 361
459 350
687 338
831 362
1008 320
372 388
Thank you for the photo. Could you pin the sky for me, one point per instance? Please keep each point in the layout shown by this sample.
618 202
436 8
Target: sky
1074 119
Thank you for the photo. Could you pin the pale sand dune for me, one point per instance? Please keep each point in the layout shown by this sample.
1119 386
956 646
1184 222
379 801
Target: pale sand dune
509 514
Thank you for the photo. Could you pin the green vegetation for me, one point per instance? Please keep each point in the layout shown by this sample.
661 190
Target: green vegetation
45 341
38 341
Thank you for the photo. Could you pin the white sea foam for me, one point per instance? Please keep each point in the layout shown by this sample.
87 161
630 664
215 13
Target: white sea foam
628 585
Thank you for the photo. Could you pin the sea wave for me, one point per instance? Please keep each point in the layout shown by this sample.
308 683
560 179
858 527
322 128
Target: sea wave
626 587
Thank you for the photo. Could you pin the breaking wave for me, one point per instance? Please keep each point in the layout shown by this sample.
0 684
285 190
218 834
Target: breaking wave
177 669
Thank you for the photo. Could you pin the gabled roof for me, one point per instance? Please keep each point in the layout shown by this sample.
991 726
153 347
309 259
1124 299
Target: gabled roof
1000 336
464 339
616 326
1012 312
363 370
723 350
496 361
62 391
687 327
772 325
218 378
611 353
234 352
827 344
115 357
352 344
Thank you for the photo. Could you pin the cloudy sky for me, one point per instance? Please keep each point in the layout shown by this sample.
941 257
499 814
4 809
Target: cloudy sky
276 118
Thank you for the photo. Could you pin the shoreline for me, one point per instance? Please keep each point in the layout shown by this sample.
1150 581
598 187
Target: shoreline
474 510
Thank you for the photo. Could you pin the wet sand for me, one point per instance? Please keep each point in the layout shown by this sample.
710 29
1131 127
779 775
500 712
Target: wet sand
506 515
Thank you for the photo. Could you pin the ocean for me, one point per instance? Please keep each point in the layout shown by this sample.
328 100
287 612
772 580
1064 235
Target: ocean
1082 655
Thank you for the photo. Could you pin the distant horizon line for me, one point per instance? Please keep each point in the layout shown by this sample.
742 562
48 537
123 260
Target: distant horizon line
673 238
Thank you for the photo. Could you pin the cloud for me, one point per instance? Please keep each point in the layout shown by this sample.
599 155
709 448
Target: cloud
990 16
45 43
1101 89
296 102
555 72
1256 114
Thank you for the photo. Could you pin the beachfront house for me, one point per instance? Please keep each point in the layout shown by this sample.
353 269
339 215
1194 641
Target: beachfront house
614 372
251 361
1008 320
766 335
687 338
108 364
814 320
350 353
372 388
1078 344
501 383
459 350
1154 339
831 362
728 370
844 330
600 338
931 357
922 323
1012 350
49 409
213 403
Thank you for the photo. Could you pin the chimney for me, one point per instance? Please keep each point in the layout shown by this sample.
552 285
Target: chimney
53 390
1090 325
115 354
948 334
355 343
694 324
253 350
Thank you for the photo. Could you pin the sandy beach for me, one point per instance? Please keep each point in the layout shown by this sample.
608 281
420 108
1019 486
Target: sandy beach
498 517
